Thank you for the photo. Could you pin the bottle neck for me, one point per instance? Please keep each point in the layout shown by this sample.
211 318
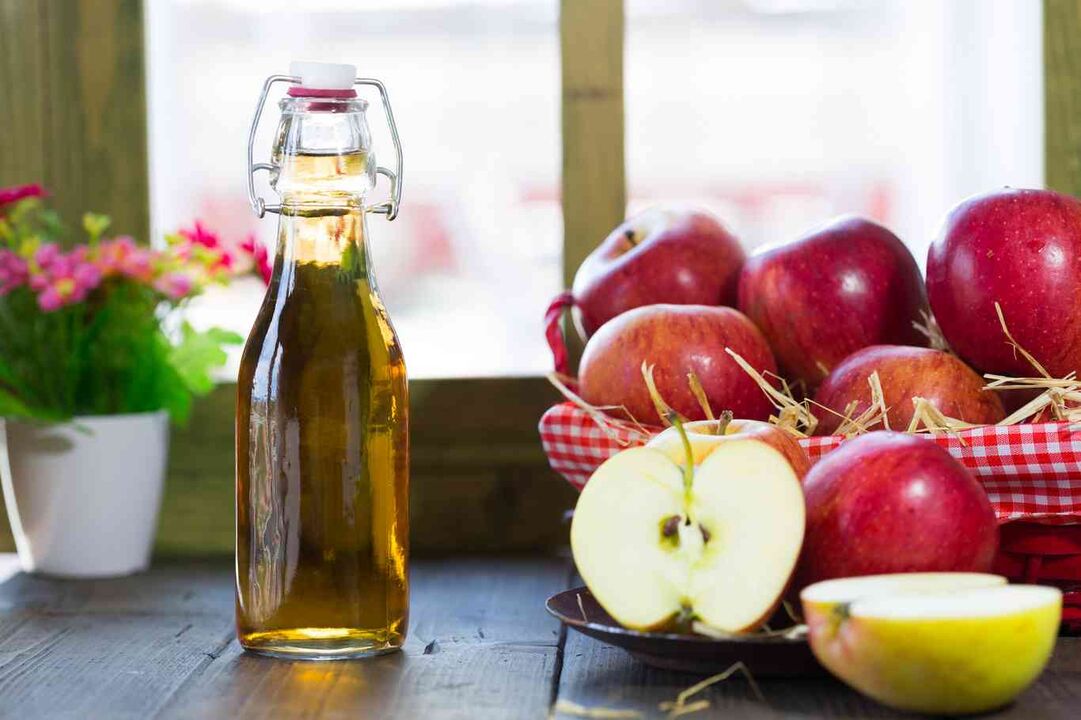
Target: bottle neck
326 238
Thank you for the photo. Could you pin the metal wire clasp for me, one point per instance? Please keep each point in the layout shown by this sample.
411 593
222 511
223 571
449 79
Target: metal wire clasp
388 208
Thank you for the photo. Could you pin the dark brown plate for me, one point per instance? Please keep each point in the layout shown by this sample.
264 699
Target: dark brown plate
763 656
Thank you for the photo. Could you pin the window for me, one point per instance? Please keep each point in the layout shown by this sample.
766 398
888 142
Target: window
475 255
778 114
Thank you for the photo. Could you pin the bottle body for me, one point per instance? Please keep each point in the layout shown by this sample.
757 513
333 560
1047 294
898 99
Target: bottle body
322 449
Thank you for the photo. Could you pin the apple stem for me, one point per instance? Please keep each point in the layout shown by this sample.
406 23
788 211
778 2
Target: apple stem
688 468
722 423
631 237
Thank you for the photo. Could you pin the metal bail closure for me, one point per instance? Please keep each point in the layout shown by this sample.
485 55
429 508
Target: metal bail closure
388 208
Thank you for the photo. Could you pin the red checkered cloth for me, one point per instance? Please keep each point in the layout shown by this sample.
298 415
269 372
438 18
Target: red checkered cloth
1031 472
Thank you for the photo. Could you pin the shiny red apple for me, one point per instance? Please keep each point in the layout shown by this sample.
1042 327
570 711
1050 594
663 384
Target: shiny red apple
890 502
676 340
905 373
663 255
1022 249
843 287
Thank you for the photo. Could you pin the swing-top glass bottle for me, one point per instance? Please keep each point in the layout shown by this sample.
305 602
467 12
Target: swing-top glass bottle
322 429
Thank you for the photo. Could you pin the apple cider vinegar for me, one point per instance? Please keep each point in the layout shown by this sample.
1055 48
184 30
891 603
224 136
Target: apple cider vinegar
322 409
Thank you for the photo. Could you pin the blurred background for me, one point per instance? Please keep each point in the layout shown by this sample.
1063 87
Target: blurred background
774 114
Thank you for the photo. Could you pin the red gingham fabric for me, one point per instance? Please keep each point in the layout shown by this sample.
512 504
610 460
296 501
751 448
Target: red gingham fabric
1030 472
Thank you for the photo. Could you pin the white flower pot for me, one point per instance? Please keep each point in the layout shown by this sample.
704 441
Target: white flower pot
83 497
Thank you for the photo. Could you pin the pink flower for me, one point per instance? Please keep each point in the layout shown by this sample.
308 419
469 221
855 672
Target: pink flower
50 300
87 275
259 257
121 256
201 236
15 193
174 285
14 272
47 254
205 248
61 279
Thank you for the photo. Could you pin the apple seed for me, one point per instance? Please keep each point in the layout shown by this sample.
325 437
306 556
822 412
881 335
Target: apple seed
670 526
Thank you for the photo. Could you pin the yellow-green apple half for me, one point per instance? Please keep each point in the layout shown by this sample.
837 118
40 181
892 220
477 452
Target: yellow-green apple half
705 436
676 340
654 539
905 373
818 299
663 255
939 643
1021 249
889 502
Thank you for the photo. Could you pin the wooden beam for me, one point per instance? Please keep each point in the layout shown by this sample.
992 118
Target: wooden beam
594 184
1062 94
73 106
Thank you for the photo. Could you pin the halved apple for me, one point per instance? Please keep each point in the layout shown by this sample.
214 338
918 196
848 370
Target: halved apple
719 539
942 643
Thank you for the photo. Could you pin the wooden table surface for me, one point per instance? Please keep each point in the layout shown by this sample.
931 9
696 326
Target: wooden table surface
160 645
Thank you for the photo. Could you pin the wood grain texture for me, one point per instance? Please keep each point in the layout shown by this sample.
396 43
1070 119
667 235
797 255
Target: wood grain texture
594 176
74 106
23 107
480 646
479 478
594 185
1062 94
160 645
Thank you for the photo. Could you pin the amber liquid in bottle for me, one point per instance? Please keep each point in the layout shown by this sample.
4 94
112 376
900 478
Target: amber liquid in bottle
322 441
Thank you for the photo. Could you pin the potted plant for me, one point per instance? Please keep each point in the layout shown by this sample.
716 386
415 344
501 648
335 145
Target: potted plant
95 360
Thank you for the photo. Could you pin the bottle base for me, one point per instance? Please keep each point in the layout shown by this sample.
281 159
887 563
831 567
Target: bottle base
321 643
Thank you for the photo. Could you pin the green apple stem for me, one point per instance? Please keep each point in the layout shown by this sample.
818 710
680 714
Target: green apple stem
688 467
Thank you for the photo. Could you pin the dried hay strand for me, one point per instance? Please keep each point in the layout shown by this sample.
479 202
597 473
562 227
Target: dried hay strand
793 632
1060 398
793 415
926 417
929 329
682 705
699 393
598 414
664 410
874 414
566 707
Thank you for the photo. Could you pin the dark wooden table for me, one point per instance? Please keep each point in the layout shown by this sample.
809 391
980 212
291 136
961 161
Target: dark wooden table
160 645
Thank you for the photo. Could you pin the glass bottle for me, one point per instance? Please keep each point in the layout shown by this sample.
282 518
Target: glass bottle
322 408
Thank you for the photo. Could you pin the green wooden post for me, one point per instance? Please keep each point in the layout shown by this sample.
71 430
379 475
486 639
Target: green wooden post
1062 94
73 106
594 176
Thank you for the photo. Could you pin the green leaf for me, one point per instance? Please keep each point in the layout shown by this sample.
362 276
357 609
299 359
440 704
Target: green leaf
95 225
198 353
11 406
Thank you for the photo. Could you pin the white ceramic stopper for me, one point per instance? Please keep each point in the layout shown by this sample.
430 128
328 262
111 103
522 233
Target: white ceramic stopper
323 76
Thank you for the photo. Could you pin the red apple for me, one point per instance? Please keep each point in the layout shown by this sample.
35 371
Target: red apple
1022 249
906 372
847 285
677 340
889 503
663 255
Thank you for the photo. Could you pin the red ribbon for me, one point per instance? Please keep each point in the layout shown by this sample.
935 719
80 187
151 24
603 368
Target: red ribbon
553 331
